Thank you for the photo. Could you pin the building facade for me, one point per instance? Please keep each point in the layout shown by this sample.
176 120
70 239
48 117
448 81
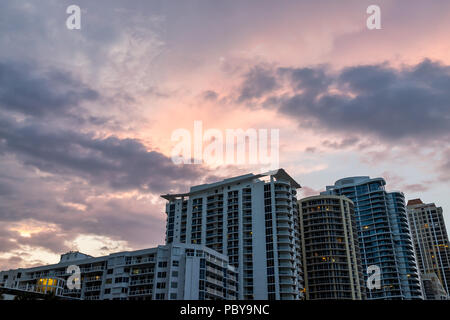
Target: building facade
169 272
331 258
430 240
384 236
253 219
432 287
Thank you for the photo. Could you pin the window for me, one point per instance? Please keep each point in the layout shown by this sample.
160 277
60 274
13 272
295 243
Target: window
160 296
161 285
175 263
162 264
173 296
107 291
162 274
120 280
174 285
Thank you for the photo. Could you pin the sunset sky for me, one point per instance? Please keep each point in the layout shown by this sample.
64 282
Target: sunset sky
86 116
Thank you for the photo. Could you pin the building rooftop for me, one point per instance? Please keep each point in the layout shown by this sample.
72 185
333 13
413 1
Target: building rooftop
278 174
414 202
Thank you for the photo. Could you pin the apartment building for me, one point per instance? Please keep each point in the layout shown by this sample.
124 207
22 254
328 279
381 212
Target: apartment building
331 258
254 220
431 242
384 236
168 272
432 287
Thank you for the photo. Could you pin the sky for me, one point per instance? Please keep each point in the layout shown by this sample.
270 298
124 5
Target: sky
87 116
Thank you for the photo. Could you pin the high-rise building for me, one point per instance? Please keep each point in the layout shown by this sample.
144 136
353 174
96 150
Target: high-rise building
384 236
170 272
253 219
430 240
432 287
331 259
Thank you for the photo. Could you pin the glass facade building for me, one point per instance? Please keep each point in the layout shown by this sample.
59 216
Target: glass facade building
384 236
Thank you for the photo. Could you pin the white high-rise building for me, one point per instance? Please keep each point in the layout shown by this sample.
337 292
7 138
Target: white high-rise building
254 220
169 272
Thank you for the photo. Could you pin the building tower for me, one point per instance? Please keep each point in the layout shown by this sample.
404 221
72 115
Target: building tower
331 259
384 236
253 219
430 241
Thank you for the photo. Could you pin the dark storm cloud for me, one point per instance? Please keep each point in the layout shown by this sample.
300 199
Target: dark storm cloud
411 102
258 81
118 163
34 92
310 80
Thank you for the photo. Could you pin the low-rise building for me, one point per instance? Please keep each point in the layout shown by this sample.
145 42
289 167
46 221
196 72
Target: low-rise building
168 272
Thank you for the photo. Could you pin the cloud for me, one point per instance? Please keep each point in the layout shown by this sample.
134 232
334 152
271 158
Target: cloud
415 187
397 182
311 149
210 95
308 192
444 166
25 89
258 81
378 100
11 262
7 242
346 142
119 163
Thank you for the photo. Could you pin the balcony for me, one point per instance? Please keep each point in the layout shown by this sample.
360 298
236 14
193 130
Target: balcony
93 269
214 292
93 288
141 282
285 256
144 292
